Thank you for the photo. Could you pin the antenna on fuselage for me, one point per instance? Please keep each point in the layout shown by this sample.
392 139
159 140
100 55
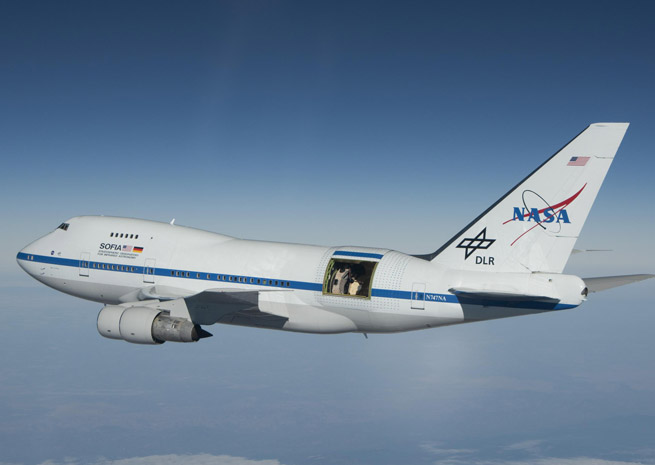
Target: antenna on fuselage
172 221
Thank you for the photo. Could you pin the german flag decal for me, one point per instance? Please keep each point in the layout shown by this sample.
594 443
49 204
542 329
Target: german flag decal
137 249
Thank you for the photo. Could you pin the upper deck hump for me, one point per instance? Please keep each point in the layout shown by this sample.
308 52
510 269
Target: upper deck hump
122 225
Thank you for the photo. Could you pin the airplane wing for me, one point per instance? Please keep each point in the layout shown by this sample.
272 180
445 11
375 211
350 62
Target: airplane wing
608 282
208 307
231 306
255 318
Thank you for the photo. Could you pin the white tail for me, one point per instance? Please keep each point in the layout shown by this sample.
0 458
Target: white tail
535 225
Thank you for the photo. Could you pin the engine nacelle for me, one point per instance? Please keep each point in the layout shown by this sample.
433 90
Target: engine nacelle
146 325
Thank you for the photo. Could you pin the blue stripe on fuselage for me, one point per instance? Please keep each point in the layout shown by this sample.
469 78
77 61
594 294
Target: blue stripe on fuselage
299 285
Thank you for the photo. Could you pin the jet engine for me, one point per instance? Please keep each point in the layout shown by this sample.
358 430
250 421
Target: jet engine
146 325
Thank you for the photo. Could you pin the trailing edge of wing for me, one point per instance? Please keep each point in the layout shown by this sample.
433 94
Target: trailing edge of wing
608 282
486 295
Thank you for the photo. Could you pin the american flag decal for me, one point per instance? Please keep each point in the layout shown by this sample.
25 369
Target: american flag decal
578 161
127 248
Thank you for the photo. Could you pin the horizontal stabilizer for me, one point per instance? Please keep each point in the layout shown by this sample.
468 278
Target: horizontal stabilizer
608 282
576 251
488 295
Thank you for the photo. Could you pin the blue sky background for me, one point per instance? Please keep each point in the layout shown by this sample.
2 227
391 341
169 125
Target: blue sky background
244 118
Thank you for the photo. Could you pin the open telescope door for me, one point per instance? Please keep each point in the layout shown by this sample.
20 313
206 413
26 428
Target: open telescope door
349 277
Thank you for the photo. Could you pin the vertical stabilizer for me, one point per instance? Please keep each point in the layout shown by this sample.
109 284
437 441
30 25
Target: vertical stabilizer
535 225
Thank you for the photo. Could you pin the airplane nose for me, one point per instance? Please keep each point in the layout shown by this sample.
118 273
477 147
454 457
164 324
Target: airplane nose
28 256
19 257
24 258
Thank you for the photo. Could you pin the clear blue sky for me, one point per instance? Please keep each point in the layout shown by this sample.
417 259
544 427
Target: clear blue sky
244 118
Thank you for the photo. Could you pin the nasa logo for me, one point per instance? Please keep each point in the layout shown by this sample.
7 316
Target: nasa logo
549 215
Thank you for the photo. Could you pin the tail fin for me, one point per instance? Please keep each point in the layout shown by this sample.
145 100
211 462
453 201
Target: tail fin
535 225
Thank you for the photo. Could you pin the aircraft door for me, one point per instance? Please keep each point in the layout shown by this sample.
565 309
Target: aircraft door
418 296
149 271
84 263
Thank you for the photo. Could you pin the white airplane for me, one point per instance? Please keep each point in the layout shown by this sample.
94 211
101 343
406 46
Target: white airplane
161 282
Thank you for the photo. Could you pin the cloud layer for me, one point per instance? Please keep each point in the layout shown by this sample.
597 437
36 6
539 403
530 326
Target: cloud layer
171 459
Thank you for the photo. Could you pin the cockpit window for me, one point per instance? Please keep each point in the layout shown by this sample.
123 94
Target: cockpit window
350 278
63 226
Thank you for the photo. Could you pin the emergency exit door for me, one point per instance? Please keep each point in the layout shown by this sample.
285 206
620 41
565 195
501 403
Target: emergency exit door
149 271
84 263
418 296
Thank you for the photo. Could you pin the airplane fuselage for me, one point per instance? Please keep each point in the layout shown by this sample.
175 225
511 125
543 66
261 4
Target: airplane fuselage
314 289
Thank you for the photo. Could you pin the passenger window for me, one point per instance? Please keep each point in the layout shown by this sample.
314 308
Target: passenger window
350 278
